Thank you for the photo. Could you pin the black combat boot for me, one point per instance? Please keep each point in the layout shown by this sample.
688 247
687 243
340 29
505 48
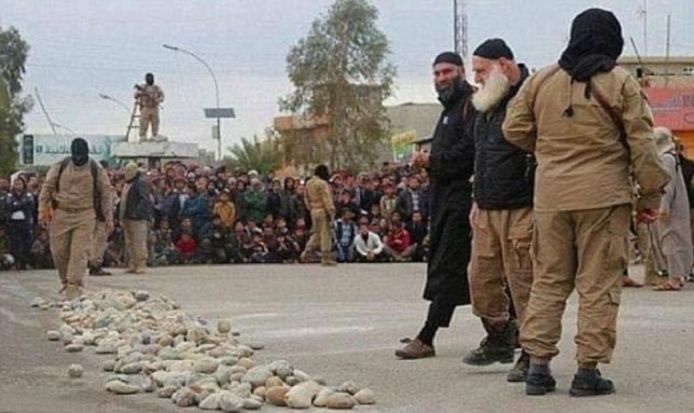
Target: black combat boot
519 372
496 347
589 382
539 381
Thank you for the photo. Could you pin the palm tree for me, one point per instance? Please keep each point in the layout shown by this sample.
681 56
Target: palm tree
262 156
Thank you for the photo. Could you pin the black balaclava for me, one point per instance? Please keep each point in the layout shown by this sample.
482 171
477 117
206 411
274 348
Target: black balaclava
79 150
596 43
322 172
149 79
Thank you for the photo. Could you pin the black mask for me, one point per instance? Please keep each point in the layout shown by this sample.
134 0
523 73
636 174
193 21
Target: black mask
79 150
149 79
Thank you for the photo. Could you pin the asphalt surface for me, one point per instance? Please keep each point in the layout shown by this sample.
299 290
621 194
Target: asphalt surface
344 324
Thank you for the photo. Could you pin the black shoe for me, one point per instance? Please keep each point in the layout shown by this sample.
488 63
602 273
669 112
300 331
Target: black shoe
519 372
539 381
496 347
589 382
489 352
98 271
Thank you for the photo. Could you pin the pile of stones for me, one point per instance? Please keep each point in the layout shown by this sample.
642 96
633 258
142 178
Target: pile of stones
153 347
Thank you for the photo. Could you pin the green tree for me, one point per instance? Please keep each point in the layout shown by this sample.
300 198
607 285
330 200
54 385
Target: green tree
13 55
263 156
340 69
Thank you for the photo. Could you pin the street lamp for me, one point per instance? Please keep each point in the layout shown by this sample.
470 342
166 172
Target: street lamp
216 89
119 102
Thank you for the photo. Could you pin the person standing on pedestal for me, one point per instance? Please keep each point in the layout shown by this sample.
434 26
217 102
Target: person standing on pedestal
149 96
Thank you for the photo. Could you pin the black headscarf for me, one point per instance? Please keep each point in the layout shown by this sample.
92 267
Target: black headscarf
322 172
596 43
79 150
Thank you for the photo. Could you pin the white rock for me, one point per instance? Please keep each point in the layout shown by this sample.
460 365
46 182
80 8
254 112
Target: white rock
223 326
53 335
167 391
211 402
142 295
348 387
132 368
252 404
75 371
340 401
118 387
105 348
36 302
184 397
301 396
257 376
365 396
301 376
207 366
108 365
229 402
322 397
256 345
74 348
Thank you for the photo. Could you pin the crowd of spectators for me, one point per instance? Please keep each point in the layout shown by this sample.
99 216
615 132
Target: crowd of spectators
216 216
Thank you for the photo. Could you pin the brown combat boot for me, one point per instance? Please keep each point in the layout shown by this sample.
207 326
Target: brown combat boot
72 292
328 263
416 349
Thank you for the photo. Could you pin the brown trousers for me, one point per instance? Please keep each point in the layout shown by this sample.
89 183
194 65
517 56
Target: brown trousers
70 239
321 236
500 255
149 116
136 243
98 245
586 250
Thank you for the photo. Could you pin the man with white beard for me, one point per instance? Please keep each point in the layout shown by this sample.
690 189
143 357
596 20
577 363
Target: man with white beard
501 216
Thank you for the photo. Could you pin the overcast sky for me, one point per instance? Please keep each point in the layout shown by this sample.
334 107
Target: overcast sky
81 48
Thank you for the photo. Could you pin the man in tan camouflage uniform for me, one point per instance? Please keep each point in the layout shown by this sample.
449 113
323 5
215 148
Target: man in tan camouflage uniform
74 190
149 96
319 201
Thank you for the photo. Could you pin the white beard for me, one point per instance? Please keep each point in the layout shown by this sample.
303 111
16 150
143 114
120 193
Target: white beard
494 89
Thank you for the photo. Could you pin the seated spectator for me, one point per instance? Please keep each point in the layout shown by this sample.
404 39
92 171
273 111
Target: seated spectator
397 243
187 248
260 254
418 233
41 257
218 241
186 226
345 231
225 209
368 246
164 248
287 249
388 200
270 241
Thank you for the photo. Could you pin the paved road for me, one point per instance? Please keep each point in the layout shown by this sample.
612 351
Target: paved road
343 324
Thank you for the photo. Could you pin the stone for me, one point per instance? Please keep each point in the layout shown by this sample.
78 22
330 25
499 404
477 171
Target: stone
275 396
167 391
260 392
38 301
244 351
105 349
257 376
230 402
348 387
273 381
44 306
211 402
75 371
206 366
74 348
182 365
322 397
256 345
165 341
67 337
184 397
224 326
168 353
340 401
292 381
53 335
132 368
301 396
235 333
108 365
229 361
196 335
251 404
301 376
246 362
118 387
365 396
320 380
144 382
141 295
281 368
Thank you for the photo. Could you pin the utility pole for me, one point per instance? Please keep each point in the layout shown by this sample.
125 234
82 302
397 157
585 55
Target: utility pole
643 12
667 53
460 28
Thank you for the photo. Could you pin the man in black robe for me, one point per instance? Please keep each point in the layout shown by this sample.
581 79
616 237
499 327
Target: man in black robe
450 165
